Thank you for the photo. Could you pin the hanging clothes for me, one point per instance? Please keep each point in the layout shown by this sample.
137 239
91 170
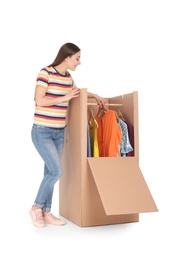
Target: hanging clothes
93 126
88 143
125 146
131 137
109 134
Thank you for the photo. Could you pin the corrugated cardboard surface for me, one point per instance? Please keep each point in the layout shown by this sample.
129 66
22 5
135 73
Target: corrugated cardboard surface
100 191
121 186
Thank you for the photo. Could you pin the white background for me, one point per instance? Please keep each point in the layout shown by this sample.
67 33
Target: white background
125 46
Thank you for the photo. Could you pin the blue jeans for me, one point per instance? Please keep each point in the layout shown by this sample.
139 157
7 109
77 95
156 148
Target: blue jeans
49 143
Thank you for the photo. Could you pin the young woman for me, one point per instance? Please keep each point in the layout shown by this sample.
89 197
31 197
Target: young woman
54 89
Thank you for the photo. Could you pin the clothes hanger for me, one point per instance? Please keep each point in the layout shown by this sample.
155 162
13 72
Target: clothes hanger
101 112
116 115
91 115
91 120
120 115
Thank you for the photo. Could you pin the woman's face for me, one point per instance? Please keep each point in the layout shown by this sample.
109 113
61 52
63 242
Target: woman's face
73 61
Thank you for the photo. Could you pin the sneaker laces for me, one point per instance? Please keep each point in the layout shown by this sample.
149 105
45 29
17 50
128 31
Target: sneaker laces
52 216
38 215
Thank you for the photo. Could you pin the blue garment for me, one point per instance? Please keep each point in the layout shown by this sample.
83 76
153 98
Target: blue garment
125 146
49 143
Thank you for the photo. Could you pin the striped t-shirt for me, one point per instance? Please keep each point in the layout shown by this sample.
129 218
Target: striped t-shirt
56 85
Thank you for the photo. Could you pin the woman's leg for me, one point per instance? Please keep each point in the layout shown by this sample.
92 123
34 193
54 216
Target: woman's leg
49 143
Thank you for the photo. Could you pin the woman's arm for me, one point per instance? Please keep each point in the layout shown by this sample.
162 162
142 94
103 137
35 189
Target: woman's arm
101 101
42 100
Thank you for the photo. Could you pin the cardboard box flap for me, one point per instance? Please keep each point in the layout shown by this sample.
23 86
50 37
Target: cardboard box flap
121 185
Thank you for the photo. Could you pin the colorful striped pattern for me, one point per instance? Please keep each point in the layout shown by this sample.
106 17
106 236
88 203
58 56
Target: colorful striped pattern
56 85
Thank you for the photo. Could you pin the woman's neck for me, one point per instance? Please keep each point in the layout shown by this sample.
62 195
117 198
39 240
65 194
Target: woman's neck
61 69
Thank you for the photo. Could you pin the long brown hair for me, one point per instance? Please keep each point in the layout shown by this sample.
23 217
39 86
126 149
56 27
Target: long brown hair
66 50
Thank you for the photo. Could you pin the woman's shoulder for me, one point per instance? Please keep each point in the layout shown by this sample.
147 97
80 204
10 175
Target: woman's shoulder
48 69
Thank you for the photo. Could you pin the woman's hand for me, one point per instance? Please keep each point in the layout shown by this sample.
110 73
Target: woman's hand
101 101
72 94
42 100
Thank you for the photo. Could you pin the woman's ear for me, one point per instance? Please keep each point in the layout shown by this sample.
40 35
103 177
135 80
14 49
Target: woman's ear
66 59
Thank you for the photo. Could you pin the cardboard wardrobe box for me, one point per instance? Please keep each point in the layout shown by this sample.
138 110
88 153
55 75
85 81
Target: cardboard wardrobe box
103 190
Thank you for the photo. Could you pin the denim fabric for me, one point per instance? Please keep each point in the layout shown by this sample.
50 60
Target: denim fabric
49 143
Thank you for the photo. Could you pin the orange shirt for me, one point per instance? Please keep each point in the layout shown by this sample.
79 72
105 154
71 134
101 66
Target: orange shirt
109 134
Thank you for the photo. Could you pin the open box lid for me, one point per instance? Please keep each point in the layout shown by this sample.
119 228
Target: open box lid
121 185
